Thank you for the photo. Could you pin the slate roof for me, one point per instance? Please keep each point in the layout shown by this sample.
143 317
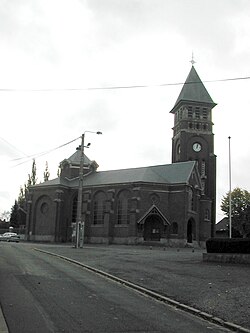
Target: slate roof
176 173
75 158
222 224
193 90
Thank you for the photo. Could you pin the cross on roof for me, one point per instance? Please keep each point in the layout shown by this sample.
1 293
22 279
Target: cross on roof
192 60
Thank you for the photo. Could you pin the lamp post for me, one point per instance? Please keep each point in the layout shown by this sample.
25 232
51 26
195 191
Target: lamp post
230 189
79 200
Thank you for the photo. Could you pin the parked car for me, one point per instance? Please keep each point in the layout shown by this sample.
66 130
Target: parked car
10 237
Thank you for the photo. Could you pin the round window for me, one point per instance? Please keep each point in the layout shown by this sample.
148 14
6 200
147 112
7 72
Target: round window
44 208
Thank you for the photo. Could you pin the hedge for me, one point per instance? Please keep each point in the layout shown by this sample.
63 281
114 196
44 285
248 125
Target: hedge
228 245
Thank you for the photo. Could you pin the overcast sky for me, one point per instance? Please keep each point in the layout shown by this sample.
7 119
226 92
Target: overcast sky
51 47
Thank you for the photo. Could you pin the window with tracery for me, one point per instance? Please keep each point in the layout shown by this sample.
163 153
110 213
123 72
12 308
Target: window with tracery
123 207
99 208
191 199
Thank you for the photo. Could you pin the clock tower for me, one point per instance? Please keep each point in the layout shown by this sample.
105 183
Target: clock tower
193 137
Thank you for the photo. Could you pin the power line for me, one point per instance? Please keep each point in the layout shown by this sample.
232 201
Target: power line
12 146
42 153
119 87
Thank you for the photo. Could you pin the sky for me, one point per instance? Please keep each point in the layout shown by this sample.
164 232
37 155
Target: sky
58 55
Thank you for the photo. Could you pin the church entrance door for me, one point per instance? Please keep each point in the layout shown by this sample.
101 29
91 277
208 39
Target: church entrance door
153 228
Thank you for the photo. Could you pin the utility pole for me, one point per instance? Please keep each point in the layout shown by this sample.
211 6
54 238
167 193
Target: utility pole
230 189
79 199
79 221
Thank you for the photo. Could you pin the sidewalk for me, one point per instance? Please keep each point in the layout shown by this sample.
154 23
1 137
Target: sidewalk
222 290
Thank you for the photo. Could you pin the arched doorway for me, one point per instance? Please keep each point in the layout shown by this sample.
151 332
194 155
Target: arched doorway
190 231
153 228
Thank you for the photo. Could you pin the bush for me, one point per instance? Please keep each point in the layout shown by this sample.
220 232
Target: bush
228 245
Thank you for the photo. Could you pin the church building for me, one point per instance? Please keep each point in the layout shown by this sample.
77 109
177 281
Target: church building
171 204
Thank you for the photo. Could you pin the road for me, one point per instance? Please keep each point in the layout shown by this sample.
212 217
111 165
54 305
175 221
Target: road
42 293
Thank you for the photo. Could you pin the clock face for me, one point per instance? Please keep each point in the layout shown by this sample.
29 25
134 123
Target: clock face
197 147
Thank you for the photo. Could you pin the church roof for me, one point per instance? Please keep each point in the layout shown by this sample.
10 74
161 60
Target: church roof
168 173
176 173
193 90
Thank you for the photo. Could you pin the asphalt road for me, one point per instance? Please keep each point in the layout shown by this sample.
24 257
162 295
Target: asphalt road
42 293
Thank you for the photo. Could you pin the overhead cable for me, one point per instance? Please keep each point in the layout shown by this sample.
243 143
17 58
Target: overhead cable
118 87
28 158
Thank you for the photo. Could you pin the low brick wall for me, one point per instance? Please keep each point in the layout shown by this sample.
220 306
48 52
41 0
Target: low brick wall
235 258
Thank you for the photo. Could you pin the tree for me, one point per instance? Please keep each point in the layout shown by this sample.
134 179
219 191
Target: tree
46 173
240 210
32 180
14 216
22 195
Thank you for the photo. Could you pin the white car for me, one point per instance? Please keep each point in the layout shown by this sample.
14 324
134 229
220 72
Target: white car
10 237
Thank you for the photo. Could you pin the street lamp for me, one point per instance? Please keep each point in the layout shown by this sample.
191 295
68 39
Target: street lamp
79 200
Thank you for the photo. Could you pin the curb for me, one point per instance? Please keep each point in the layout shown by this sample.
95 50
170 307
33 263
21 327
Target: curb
164 299
3 325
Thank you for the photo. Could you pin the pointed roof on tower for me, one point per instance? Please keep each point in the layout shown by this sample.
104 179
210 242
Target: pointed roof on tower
193 90
74 160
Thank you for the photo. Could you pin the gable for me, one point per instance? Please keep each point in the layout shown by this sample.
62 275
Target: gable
195 178
153 210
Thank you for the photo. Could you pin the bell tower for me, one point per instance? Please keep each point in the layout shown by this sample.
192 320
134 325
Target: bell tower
193 137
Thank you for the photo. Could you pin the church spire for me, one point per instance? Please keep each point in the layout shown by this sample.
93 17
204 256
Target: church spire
193 90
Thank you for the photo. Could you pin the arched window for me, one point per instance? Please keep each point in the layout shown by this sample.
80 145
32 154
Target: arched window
191 199
99 208
123 207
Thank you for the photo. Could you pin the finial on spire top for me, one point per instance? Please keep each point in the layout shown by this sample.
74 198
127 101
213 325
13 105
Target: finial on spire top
192 60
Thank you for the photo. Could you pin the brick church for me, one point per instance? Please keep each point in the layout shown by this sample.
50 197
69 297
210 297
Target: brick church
171 204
